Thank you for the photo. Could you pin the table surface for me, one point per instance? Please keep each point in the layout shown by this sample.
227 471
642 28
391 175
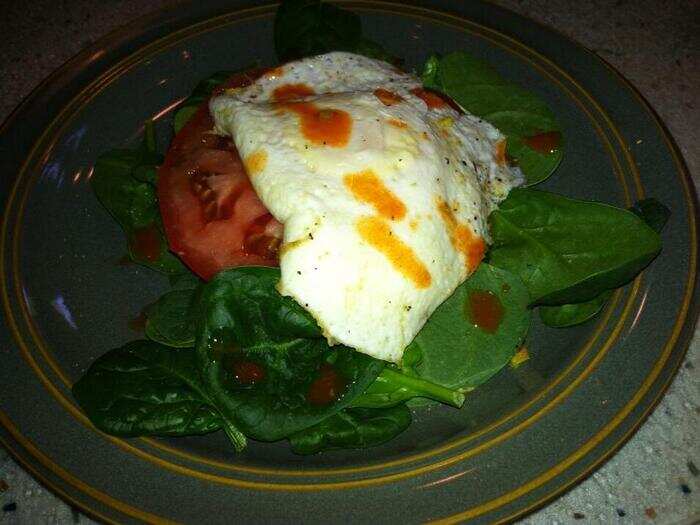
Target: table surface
654 477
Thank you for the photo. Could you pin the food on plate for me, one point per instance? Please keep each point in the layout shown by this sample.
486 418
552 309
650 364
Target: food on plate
383 189
346 242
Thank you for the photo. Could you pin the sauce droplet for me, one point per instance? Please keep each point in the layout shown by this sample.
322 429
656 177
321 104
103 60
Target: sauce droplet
485 310
138 323
388 98
545 143
322 126
292 92
327 387
248 372
145 243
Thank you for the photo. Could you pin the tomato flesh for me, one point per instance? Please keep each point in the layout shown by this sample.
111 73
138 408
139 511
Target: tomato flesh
213 218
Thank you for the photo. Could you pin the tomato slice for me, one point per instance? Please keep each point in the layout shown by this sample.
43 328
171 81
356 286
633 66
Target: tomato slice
212 217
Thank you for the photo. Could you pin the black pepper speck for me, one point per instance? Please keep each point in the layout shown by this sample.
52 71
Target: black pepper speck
692 468
579 515
621 513
9 507
685 489
298 272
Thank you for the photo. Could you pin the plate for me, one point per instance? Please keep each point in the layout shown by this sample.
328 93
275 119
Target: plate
523 438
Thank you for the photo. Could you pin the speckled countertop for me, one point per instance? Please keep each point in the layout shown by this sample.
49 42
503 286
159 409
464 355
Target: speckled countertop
656 45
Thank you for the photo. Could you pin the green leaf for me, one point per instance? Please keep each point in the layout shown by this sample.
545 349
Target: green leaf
394 386
655 215
123 182
457 354
517 113
201 92
568 251
352 428
572 314
145 389
171 319
245 322
312 27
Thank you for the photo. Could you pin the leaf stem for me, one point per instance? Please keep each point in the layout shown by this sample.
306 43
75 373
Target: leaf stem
424 388
236 437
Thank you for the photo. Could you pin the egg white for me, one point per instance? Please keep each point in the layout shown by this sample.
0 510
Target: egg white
357 293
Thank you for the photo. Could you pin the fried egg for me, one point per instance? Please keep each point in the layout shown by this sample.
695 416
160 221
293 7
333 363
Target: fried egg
383 188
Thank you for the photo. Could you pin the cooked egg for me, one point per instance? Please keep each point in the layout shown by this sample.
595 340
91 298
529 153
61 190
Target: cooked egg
382 187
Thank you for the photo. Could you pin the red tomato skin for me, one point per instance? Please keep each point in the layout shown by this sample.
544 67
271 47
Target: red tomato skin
206 200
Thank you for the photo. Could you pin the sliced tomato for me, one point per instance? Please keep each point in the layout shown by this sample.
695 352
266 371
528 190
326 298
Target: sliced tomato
212 216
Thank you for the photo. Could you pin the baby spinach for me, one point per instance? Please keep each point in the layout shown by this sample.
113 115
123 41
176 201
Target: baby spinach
202 92
568 251
144 388
352 428
171 319
393 386
123 182
244 320
572 314
516 112
652 212
312 27
457 354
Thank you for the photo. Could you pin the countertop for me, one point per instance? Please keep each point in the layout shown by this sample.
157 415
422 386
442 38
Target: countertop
654 477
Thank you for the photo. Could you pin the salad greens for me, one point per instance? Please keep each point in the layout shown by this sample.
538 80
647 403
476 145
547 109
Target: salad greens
451 347
124 182
519 114
171 319
234 355
655 215
312 27
201 92
145 388
568 251
352 428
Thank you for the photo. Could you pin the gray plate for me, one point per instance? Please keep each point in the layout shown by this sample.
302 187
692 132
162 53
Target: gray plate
523 438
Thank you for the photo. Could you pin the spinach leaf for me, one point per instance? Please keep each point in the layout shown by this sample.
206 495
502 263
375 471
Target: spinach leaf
457 354
655 215
568 251
394 386
144 388
572 314
516 112
202 92
311 27
171 319
244 325
123 182
352 428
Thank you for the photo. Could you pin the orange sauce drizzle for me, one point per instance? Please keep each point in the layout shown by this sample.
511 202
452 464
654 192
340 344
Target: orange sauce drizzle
377 233
432 100
368 188
388 98
255 162
463 238
500 154
397 123
485 310
292 92
545 143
